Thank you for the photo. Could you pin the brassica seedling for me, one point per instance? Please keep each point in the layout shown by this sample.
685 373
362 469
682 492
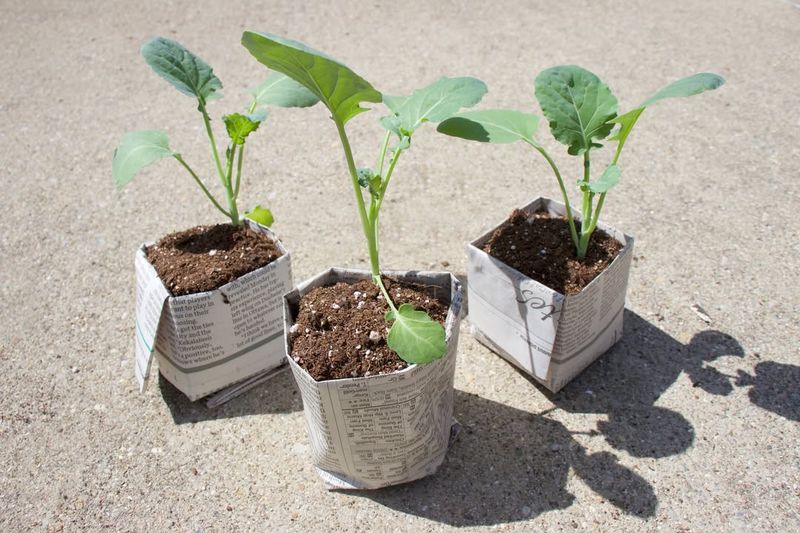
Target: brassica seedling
581 110
194 77
414 336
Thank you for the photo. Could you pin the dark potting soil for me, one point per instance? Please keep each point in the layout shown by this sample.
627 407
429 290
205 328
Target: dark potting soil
540 246
340 331
205 258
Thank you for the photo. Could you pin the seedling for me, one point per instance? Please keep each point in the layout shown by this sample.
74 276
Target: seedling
581 110
193 77
414 335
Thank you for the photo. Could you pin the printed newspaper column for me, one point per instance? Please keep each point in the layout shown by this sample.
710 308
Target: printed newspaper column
550 336
209 340
382 430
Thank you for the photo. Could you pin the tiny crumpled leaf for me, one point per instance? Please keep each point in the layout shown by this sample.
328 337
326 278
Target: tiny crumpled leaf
281 90
433 103
415 336
239 126
136 150
603 184
578 106
338 87
684 87
262 215
369 180
491 126
185 71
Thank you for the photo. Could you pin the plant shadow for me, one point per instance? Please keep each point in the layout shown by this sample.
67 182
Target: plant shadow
627 381
278 395
775 387
510 465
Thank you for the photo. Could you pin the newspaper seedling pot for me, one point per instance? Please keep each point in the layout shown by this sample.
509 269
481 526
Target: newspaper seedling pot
206 341
548 335
372 432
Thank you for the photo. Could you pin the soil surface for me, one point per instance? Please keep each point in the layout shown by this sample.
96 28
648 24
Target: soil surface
540 246
340 331
205 258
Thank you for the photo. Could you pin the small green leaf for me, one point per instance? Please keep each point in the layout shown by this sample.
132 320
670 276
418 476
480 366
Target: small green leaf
609 178
492 126
404 143
578 106
188 73
415 336
281 90
338 87
136 150
689 86
261 215
433 103
240 126
369 180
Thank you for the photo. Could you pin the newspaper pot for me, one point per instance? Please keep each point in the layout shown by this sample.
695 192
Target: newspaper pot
548 335
206 341
372 432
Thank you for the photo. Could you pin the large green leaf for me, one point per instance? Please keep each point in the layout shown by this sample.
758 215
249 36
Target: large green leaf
578 106
188 73
689 86
338 87
433 103
415 336
492 126
281 90
136 150
240 126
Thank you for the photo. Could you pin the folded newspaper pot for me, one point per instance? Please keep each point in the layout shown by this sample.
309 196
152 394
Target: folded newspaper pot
209 340
550 336
376 431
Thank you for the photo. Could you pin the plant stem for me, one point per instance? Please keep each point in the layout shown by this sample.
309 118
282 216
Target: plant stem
572 230
382 156
238 171
379 282
586 213
229 187
362 211
207 122
389 172
200 183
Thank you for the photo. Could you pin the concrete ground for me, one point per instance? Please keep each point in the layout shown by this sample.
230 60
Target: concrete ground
685 425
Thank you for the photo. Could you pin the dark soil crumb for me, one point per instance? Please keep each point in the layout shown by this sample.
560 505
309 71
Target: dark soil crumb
340 331
540 246
205 258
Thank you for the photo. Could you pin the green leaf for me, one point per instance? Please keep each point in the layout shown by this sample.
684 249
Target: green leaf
578 106
433 103
415 336
281 90
609 178
261 215
689 86
492 126
369 180
240 126
188 73
136 150
338 87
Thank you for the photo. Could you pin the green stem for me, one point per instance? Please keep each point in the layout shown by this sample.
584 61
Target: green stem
382 156
362 211
238 172
207 122
379 282
229 187
389 172
572 230
200 183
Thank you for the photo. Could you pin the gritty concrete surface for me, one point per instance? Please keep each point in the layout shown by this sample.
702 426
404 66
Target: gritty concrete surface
685 425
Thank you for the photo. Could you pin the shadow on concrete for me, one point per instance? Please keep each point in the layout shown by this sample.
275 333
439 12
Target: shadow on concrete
627 381
510 465
278 395
775 387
